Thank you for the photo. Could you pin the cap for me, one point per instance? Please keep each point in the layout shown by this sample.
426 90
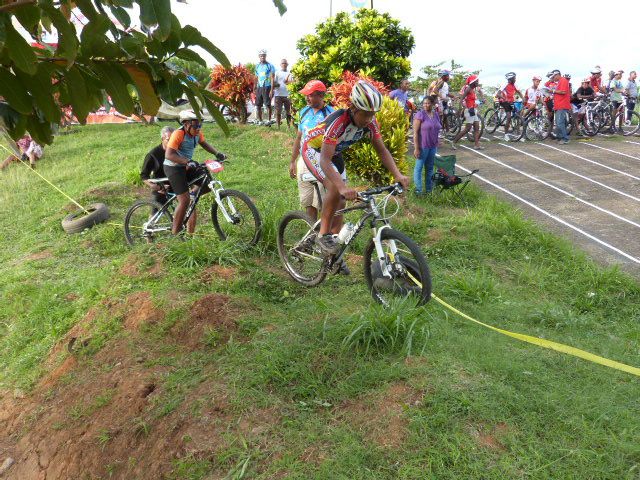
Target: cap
471 79
313 86
536 77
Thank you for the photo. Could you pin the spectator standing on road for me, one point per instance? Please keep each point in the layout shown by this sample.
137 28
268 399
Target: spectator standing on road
596 79
152 167
440 88
631 91
310 116
468 99
426 128
401 94
561 105
550 85
616 90
263 88
282 78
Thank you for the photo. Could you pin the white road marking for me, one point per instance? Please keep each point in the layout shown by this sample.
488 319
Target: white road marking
590 161
612 151
554 217
564 192
572 172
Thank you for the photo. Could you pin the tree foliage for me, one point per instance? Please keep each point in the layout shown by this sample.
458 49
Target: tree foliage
107 55
421 83
370 42
192 68
340 93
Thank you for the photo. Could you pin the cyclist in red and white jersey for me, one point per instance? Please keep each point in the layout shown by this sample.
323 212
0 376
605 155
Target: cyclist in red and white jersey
507 97
531 97
548 99
468 99
322 150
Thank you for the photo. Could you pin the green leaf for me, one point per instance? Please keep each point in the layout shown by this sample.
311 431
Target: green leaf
214 98
15 123
20 52
41 89
143 82
67 40
14 92
87 8
156 12
133 46
281 6
77 90
217 116
121 15
114 79
192 100
39 130
191 36
190 55
28 16
173 41
93 38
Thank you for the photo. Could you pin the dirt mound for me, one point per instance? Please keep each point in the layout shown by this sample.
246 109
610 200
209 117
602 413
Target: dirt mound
381 417
211 313
140 310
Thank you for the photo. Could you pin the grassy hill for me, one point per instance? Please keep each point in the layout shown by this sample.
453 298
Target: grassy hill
194 360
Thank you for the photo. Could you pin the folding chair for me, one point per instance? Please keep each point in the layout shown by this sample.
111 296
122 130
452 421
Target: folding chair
445 178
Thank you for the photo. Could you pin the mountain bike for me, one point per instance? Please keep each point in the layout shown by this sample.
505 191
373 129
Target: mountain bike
233 214
497 117
630 120
394 265
536 125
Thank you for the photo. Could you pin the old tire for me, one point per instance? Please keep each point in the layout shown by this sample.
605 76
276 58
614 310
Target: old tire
77 222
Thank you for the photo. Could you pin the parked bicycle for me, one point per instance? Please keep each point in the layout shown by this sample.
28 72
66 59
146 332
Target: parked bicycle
394 265
233 214
455 121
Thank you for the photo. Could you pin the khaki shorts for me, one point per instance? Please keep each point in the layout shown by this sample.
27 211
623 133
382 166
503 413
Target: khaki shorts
306 190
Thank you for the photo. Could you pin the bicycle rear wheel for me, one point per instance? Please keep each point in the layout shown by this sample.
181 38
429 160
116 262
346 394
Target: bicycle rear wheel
146 222
297 249
453 125
409 274
491 120
245 225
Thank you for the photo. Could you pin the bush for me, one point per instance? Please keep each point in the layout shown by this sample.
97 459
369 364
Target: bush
362 159
341 92
235 85
370 42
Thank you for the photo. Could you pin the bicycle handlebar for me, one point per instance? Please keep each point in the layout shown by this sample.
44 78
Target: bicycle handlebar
395 189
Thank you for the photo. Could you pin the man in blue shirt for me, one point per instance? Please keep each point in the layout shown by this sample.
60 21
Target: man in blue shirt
315 111
401 94
264 84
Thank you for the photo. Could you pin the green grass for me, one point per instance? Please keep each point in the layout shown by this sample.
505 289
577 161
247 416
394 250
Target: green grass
473 404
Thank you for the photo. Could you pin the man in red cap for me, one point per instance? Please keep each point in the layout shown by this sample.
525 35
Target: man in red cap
315 111
471 117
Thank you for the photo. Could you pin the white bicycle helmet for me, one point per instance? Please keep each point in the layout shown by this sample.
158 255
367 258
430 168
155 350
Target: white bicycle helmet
510 75
365 96
187 115
262 52
596 70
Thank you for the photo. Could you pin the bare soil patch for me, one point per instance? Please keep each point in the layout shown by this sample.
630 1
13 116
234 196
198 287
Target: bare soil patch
134 266
40 255
381 417
215 272
489 437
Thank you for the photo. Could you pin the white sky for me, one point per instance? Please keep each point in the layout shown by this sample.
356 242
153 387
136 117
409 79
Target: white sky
489 37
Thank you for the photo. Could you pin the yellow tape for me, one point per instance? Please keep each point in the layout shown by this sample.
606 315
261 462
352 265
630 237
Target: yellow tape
559 347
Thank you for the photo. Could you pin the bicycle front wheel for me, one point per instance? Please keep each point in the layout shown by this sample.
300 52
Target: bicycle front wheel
146 222
630 125
491 120
517 130
297 248
236 219
402 271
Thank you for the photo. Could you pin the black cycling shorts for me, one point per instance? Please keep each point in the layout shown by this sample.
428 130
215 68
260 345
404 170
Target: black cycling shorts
179 178
508 107
616 105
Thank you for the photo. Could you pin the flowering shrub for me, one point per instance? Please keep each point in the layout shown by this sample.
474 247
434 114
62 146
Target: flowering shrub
235 85
341 91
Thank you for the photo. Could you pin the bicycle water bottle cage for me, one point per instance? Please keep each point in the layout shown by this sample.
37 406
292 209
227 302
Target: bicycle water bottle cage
214 166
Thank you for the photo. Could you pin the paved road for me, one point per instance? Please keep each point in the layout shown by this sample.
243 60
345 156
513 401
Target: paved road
587 191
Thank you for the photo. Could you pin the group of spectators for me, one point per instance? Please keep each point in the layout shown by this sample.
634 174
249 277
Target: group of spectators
270 90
